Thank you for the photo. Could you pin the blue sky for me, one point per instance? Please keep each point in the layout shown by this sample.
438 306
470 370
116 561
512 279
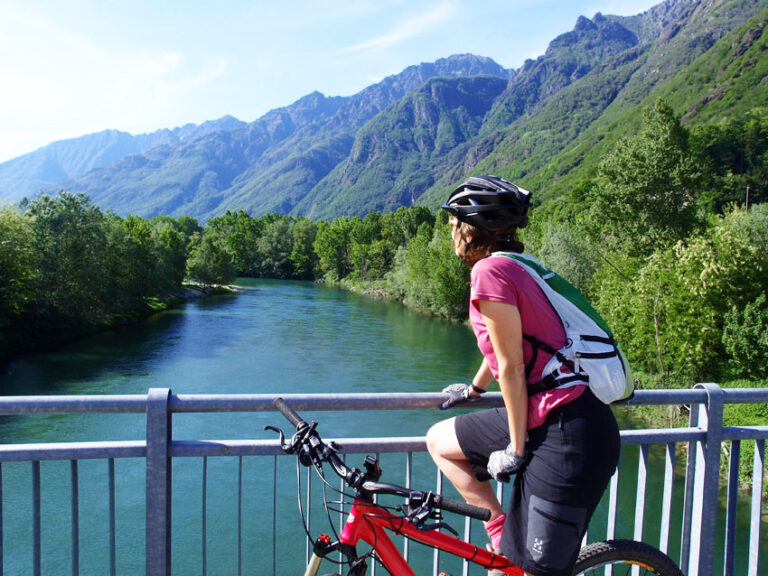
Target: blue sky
70 68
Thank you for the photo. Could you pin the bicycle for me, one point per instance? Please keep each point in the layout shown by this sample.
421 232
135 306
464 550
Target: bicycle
419 518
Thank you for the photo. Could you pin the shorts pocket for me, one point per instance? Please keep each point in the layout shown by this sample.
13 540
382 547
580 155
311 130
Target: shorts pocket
554 532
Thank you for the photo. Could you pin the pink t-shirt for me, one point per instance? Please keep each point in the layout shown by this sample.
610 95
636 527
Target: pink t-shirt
501 279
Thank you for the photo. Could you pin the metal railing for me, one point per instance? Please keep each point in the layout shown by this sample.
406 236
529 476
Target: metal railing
701 444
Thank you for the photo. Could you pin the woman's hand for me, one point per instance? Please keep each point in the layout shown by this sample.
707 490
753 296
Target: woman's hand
503 463
459 394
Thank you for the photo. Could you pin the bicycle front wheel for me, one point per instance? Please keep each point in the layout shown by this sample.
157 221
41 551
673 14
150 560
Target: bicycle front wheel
622 556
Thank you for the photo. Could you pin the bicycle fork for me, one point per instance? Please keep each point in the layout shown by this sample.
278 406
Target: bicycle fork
323 546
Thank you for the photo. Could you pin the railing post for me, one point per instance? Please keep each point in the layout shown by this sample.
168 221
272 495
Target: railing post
158 545
704 521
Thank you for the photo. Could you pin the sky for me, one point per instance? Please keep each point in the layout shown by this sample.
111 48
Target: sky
71 68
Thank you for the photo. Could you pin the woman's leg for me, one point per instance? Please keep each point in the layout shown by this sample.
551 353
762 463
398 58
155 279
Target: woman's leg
444 448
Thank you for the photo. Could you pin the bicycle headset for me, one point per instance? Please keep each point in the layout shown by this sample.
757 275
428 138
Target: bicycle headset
489 203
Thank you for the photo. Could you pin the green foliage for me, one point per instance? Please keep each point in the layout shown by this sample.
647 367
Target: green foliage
303 257
274 249
646 189
332 248
437 281
66 267
734 155
671 315
18 267
240 233
566 249
69 239
210 262
745 338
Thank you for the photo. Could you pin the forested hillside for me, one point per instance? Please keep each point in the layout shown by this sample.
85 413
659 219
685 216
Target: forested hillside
704 60
410 137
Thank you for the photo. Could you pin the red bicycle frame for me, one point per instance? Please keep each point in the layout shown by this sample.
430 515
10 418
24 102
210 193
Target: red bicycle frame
370 523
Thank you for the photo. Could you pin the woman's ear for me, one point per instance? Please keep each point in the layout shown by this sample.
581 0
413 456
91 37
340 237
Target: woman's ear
469 234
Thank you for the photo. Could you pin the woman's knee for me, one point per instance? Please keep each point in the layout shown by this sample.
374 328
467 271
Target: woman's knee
441 438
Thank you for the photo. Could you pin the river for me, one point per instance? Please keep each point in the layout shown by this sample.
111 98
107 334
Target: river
273 337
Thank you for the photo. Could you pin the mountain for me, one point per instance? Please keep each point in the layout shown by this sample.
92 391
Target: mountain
697 61
265 166
67 159
408 138
392 158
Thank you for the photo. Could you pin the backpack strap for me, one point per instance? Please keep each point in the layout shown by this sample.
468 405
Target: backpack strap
551 382
600 355
536 343
554 379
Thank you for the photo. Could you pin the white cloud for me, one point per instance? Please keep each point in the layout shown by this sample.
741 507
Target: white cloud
209 73
161 64
406 30
59 84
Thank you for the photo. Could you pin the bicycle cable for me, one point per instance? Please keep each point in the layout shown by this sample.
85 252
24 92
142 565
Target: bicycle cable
317 465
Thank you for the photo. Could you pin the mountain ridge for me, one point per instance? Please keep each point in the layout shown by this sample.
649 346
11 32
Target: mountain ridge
406 139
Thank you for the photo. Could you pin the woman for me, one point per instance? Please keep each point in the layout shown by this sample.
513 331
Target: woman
561 444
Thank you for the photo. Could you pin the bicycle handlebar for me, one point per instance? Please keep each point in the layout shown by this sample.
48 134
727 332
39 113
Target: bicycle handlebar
289 413
356 479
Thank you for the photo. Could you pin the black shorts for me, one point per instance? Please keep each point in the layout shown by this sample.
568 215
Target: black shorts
571 458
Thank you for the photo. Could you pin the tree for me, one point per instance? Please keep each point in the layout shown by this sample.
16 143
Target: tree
141 264
566 250
369 257
646 190
303 258
241 234
745 338
398 227
332 248
170 256
210 262
734 157
185 225
672 319
437 280
70 241
18 264
274 249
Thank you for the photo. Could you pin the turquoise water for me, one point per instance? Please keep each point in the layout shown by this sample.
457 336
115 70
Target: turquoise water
273 337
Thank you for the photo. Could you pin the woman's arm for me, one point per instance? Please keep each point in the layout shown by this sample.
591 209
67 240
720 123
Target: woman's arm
506 334
483 377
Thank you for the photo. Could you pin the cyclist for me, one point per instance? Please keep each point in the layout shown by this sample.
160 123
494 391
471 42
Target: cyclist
561 444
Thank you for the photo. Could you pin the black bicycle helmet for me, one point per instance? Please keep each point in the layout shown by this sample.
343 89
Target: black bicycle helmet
489 203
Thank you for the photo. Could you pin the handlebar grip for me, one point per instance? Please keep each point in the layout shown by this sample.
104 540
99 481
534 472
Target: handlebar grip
463 508
289 413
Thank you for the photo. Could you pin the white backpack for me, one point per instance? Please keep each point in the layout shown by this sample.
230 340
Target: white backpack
591 354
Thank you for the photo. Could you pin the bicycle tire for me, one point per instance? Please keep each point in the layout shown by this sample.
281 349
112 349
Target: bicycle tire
626 553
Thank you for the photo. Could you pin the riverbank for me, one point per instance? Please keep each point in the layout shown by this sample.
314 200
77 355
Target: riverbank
28 335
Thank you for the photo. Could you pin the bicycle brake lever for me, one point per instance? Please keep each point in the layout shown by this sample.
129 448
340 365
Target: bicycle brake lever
419 514
438 526
418 521
286 446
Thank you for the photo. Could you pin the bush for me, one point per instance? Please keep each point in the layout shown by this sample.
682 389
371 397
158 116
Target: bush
745 338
